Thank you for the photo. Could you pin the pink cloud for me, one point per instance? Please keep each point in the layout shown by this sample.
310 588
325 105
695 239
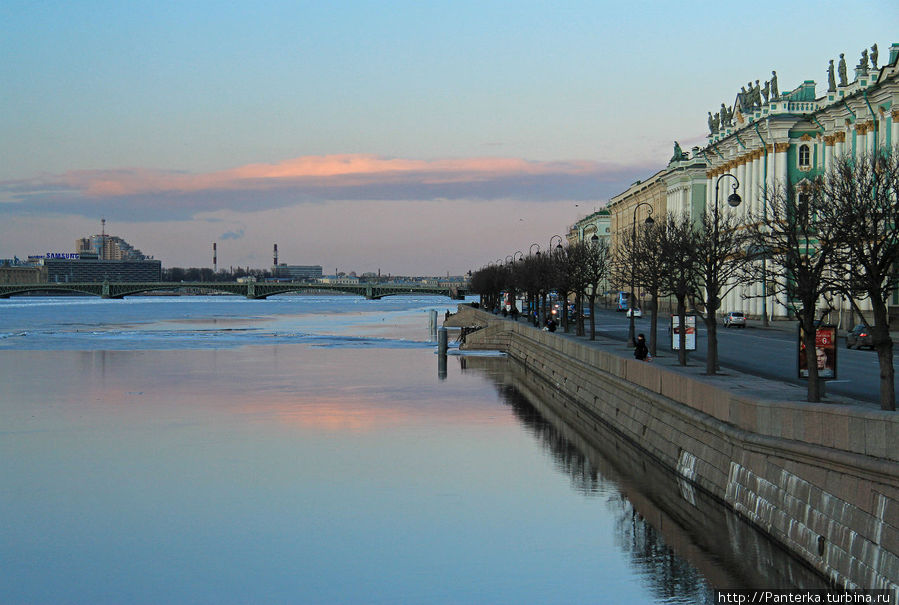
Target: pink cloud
334 170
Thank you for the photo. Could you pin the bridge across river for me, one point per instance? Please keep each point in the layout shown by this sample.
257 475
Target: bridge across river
251 290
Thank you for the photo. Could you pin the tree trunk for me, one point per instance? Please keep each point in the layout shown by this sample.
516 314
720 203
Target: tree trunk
811 360
682 331
711 355
579 309
591 299
653 323
712 303
883 344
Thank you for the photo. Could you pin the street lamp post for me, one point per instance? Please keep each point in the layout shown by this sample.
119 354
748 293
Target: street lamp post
630 310
558 247
733 200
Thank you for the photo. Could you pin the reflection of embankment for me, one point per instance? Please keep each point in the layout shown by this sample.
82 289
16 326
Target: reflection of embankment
663 520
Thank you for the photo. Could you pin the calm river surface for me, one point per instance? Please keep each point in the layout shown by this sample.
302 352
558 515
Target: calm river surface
304 450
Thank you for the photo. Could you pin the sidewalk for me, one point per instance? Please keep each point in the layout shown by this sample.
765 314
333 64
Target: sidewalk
762 388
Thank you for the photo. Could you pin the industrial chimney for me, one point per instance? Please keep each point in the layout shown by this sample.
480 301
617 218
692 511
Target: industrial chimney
275 262
215 258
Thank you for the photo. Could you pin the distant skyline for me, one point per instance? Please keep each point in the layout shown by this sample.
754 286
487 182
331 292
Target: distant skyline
414 138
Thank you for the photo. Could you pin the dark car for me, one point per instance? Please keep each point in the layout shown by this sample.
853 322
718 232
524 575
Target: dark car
859 337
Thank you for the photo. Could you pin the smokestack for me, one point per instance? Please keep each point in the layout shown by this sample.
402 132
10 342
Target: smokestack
215 258
276 256
103 238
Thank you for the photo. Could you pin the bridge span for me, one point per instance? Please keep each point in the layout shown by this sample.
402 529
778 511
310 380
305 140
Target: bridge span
252 290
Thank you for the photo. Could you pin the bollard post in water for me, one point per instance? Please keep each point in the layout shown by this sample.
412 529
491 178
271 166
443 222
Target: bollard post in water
441 353
433 322
442 343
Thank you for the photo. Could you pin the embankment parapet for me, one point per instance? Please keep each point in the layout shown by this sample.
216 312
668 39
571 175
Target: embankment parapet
821 479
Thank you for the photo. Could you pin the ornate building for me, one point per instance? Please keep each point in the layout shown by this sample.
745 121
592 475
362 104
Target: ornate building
596 224
767 139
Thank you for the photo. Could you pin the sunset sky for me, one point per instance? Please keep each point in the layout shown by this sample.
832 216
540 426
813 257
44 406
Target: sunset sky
407 137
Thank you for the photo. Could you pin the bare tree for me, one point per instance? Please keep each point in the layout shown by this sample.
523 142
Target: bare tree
791 234
677 245
576 260
720 257
648 271
489 282
562 280
596 271
863 211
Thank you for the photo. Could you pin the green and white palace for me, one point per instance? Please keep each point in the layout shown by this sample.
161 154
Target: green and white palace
768 138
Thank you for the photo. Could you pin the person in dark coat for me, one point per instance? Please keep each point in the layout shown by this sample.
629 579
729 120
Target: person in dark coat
641 351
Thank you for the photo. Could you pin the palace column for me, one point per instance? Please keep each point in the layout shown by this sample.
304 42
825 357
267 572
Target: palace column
780 164
894 132
839 144
828 152
754 303
870 140
758 165
859 140
746 186
781 182
740 210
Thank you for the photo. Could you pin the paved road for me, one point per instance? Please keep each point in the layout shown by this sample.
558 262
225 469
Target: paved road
768 352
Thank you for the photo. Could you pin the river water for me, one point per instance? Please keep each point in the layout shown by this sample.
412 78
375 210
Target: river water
305 449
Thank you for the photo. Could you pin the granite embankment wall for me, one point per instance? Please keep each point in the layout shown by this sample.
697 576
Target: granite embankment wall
823 480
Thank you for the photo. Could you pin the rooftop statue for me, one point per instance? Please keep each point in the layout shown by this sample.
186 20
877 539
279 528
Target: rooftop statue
757 95
774 91
863 62
874 55
679 154
766 91
712 126
842 70
725 118
831 80
716 121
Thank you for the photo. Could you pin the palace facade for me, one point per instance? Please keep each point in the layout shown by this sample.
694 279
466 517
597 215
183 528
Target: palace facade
767 139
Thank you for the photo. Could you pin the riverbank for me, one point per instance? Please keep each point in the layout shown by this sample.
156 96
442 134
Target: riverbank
821 479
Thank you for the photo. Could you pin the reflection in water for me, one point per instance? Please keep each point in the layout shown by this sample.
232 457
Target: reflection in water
682 540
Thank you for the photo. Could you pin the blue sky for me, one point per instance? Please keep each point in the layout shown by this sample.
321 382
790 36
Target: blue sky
367 135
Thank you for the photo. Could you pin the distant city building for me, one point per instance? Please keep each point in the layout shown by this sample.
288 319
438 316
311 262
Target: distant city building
108 247
21 274
298 272
98 270
340 279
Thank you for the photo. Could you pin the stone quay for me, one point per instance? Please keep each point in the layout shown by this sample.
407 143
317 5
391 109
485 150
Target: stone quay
821 479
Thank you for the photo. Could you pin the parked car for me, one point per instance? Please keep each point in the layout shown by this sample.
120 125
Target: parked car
735 319
859 337
635 312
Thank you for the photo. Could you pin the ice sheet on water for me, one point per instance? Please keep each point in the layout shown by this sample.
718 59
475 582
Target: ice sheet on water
140 323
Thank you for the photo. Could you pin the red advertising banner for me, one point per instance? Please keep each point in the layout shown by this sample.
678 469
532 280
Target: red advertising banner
825 353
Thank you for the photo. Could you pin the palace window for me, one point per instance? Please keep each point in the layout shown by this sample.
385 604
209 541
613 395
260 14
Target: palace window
805 161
